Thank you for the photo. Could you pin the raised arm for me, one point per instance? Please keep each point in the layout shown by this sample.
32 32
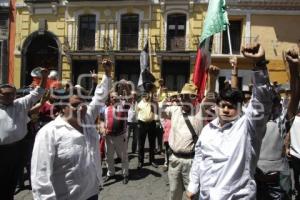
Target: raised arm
29 100
293 63
37 106
234 72
210 97
94 82
260 105
101 93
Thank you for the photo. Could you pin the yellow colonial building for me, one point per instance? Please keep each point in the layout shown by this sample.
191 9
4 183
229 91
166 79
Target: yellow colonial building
73 37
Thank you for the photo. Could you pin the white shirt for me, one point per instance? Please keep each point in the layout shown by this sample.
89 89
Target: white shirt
226 158
180 138
13 118
66 163
295 137
132 114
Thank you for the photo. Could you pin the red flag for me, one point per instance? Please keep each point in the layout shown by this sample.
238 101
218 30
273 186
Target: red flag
200 73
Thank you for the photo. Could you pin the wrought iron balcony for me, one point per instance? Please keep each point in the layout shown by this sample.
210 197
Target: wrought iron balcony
73 43
223 49
171 43
129 42
132 42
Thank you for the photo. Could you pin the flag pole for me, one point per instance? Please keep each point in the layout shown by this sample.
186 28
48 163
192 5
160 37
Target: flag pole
150 53
229 40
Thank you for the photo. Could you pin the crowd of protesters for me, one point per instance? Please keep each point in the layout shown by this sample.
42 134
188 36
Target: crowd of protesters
231 145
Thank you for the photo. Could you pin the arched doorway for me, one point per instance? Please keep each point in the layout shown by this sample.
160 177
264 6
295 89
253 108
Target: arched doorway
40 50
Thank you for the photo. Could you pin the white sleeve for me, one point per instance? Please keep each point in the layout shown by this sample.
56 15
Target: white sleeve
167 111
42 166
194 176
30 99
99 98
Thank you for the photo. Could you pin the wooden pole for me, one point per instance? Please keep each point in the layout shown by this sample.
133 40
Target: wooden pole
229 40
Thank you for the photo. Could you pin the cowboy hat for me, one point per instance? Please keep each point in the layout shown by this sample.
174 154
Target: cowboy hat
189 88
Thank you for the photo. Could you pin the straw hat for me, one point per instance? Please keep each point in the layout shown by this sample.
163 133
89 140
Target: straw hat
173 94
189 88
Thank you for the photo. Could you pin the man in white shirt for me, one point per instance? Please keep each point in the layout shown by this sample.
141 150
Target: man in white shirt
66 159
132 121
13 125
228 147
187 119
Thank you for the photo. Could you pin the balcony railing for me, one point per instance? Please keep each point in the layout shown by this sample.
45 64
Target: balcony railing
175 43
167 43
129 41
217 46
132 43
89 43
86 43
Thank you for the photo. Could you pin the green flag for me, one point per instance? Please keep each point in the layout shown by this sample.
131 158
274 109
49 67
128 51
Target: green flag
216 19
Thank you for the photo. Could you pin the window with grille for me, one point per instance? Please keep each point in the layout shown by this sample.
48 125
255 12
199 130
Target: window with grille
87 29
235 36
129 31
176 30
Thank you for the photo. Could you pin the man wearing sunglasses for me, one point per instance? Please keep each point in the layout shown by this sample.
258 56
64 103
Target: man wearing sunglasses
227 150
66 159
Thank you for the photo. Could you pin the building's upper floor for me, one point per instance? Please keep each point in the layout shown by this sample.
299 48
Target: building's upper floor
167 25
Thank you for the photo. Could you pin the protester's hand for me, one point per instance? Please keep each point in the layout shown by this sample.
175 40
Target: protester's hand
213 71
292 57
233 62
255 52
94 76
107 65
189 195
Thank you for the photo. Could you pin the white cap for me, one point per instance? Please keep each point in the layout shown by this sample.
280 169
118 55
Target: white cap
53 74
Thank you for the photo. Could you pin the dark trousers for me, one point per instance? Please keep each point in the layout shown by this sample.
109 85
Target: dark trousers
146 128
95 197
295 164
268 187
159 135
25 150
167 153
132 127
9 168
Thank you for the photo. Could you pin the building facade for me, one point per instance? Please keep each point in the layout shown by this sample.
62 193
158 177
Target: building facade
73 37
